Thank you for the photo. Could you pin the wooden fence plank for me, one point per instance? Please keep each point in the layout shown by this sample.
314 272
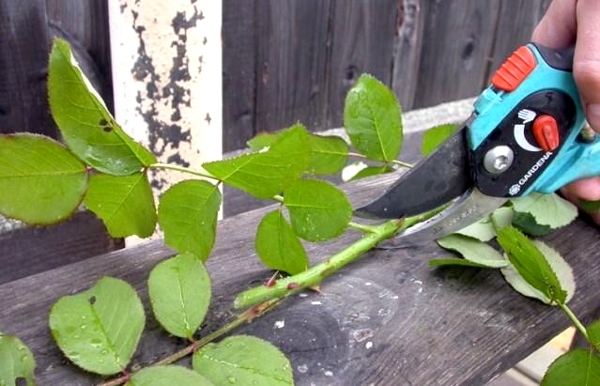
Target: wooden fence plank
291 63
407 51
362 41
23 58
239 72
455 46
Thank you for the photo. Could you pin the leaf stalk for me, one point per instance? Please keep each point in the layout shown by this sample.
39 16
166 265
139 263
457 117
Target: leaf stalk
183 169
576 322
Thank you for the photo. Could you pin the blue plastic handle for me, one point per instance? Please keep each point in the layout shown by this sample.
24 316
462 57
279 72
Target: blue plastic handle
573 159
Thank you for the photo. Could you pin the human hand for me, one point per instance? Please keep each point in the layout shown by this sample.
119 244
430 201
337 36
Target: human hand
565 23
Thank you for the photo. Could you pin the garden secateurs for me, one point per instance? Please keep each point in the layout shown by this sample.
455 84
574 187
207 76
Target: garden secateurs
526 134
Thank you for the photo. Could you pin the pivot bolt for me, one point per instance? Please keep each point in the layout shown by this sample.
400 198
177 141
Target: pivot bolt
587 134
498 159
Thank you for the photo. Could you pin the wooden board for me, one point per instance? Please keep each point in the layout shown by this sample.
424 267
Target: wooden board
291 60
386 319
30 250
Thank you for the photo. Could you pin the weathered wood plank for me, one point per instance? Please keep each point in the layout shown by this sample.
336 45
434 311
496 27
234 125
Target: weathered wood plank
291 63
239 72
407 51
362 41
456 40
30 250
386 319
24 47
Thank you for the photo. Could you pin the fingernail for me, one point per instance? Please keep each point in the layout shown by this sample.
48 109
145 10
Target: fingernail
592 113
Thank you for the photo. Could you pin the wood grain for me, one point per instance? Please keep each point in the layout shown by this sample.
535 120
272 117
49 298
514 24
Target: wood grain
24 48
291 60
30 250
361 42
386 319
239 72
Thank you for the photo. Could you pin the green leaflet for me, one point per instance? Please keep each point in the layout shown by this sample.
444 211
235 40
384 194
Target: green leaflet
40 180
167 375
547 209
86 125
433 137
527 223
99 329
278 246
372 119
576 367
593 331
328 154
124 203
318 210
243 360
560 267
179 290
268 172
16 362
188 213
473 250
444 262
531 264
484 230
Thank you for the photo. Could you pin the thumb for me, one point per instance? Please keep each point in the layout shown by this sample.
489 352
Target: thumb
586 62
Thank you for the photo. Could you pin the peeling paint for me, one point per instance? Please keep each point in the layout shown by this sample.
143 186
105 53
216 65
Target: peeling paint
167 59
167 75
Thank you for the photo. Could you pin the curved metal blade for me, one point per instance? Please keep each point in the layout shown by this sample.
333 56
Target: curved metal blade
437 179
467 209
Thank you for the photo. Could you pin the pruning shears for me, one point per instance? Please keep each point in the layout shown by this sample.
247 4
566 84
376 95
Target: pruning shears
526 134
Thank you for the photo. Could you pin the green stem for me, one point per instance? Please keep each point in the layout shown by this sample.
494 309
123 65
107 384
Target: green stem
182 170
245 317
397 162
363 227
315 274
403 164
575 320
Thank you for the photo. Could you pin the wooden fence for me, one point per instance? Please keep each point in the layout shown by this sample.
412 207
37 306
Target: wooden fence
288 61
284 61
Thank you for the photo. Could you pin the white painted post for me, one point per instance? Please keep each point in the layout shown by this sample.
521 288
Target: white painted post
167 76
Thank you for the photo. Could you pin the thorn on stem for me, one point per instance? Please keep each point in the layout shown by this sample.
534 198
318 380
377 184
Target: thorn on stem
271 281
317 289
292 286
